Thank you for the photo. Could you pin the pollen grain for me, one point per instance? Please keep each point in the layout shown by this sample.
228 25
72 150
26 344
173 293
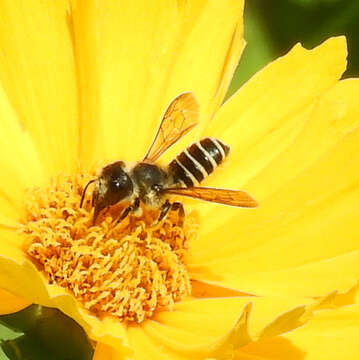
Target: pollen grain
129 270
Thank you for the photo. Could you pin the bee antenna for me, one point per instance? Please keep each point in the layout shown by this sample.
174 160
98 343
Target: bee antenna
84 191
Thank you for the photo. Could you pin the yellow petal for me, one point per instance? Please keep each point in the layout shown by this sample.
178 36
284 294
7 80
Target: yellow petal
207 62
106 352
261 120
270 346
211 328
205 290
278 92
235 51
331 334
305 226
19 163
145 347
210 55
183 338
10 303
38 74
336 299
204 330
285 144
134 58
208 328
275 348
6 222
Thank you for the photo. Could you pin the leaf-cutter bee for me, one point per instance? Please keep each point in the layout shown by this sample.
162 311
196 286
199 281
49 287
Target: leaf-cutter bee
151 184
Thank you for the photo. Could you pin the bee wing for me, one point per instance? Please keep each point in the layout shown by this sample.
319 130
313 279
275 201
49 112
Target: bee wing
180 117
221 196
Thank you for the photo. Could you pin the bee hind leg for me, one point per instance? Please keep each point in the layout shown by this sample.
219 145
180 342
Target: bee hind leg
177 206
164 211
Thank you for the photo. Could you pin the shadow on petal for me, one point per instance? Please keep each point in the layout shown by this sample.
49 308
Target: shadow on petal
201 289
274 348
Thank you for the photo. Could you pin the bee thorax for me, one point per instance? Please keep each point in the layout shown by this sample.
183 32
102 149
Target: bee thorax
150 179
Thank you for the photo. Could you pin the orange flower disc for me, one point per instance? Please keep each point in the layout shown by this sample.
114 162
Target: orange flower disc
128 270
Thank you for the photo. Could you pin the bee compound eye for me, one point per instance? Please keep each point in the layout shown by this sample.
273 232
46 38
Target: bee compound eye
118 184
121 183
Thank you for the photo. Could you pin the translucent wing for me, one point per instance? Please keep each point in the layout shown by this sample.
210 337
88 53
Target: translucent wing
180 117
221 196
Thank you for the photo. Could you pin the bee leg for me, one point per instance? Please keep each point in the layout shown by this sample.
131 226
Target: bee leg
164 211
177 206
131 208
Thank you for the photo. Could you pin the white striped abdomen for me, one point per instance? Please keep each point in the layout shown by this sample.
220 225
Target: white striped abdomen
198 161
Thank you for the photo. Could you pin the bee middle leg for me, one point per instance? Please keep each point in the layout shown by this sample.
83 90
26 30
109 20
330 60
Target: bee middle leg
133 207
176 206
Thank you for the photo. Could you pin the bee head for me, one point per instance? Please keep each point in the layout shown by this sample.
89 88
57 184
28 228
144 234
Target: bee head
112 186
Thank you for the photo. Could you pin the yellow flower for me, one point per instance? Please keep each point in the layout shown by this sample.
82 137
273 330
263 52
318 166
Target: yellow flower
85 83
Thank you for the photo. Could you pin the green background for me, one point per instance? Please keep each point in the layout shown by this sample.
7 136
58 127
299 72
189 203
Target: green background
272 27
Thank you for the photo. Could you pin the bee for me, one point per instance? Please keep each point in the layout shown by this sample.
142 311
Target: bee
149 183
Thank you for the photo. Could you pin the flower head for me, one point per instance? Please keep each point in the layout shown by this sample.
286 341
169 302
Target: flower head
93 91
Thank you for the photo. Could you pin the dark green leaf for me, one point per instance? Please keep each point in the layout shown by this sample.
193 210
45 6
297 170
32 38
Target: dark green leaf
47 334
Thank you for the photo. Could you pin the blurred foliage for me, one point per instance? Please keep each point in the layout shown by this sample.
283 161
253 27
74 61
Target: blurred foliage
5 335
41 333
272 27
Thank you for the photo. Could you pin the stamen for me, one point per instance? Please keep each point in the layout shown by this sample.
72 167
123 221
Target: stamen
129 271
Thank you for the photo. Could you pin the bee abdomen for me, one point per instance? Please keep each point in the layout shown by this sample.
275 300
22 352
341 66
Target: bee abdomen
198 161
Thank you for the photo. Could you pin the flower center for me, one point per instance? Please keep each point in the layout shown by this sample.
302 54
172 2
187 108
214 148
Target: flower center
128 270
